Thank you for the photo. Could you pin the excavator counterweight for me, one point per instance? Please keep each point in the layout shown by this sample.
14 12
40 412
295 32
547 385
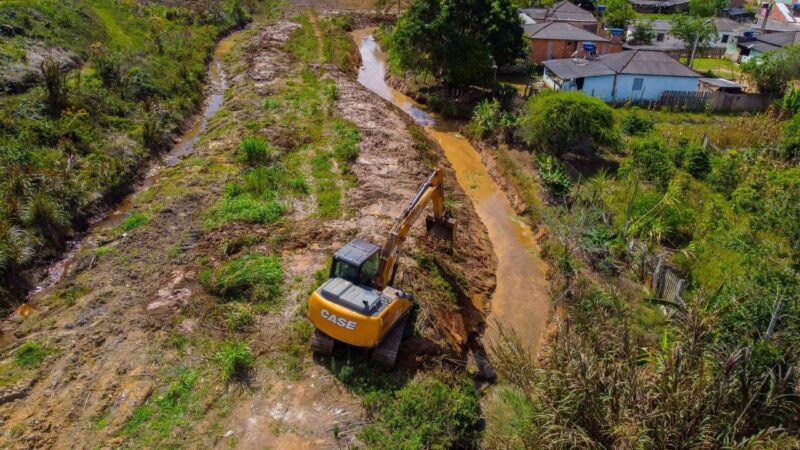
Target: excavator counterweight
357 305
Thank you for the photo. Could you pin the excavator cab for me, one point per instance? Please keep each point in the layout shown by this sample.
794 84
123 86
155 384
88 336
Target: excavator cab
358 305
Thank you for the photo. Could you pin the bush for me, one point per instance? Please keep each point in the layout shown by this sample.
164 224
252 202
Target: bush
54 80
47 215
635 124
235 360
553 175
697 161
651 159
250 277
485 118
560 122
254 151
789 147
726 174
426 414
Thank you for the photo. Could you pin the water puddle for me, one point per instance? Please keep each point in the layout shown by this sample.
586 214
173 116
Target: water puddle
217 83
520 301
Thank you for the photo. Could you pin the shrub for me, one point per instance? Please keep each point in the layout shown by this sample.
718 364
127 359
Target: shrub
253 277
651 160
789 147
697 161
560 122
54 79
255 151
426 414
635 124
485 118
239 317
553 175
31 354
244 208
235 360
725 173
44 213
16 247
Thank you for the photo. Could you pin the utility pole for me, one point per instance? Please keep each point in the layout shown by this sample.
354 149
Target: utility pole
766 16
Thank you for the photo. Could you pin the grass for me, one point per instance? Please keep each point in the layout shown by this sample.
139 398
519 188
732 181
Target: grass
720 67
235 360
31 354
167 413
327 192
134 221
252 277
239 316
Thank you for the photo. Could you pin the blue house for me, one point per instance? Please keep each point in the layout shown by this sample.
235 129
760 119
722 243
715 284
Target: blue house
634 75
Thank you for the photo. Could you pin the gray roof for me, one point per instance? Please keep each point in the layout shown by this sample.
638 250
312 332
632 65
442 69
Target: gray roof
772 41
561 11
630 62
560 31
721 82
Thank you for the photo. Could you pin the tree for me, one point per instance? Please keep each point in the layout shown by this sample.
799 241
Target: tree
559 122
706 8
643 33
457 41
619 13
774 71
695 32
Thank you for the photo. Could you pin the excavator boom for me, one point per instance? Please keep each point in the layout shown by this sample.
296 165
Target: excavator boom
438 225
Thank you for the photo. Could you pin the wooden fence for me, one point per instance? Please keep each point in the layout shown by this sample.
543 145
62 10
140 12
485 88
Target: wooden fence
713 101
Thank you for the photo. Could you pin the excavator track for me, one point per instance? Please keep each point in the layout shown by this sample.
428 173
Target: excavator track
385 353
321 343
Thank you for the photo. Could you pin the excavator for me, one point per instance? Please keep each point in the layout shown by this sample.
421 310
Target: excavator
358 305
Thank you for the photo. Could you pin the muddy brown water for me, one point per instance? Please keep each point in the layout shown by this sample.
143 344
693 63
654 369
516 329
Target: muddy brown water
520 301
217 83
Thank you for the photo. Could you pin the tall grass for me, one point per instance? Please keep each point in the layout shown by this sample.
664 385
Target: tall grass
235 360
250 277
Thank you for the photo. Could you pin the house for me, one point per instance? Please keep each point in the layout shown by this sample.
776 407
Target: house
758 44
785 11
556 40
729 32
660 6
633 75
562 11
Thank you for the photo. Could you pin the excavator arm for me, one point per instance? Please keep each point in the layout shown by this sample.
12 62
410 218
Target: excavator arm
432 191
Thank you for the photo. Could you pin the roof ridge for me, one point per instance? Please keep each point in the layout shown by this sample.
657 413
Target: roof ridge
635 52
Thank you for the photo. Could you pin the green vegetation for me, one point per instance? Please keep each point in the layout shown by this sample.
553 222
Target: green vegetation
428 413
716 370
582 121
235 360
134 221
78 134
239 316
456 42
31 354
168 412
694 31
774 72
255 278
619 13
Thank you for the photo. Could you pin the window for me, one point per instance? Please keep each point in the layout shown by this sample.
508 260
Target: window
725 38
369 269
345 271
638 83
660 37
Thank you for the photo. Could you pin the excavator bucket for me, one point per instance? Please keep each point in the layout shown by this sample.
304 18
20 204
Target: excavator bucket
441 229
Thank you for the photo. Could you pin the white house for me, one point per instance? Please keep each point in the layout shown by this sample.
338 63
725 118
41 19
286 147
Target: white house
633 75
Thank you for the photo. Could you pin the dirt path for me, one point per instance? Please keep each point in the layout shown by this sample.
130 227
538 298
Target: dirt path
521 301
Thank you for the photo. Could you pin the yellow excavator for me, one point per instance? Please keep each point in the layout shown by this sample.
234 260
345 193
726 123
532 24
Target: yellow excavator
358 305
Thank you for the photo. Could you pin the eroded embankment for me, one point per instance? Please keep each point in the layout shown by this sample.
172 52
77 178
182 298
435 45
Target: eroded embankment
130 341
521 300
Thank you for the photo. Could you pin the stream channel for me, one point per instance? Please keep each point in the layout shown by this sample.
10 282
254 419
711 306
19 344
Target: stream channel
520 301
215 94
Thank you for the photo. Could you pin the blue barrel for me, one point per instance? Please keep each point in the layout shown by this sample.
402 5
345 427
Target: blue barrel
601 9
748 34
589 47
617 31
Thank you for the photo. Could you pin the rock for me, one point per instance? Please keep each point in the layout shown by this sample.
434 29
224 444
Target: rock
228 433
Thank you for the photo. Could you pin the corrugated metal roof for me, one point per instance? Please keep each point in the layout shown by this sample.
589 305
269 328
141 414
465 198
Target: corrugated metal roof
721 82
561 11
631 62
560 31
